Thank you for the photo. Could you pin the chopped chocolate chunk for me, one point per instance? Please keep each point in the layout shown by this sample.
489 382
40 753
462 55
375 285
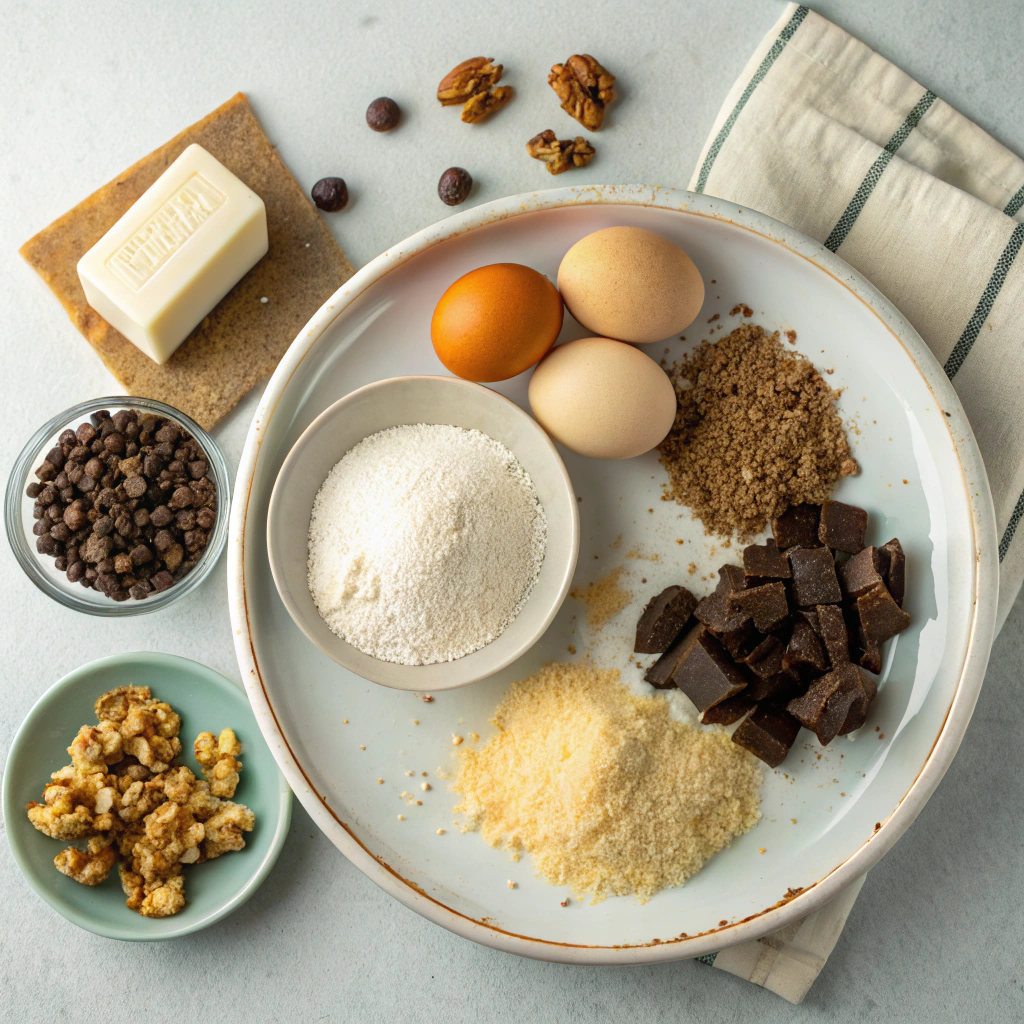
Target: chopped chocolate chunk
866 653
842 526
809 615
730 626
859 574
766 605
664 618
804 654
832 629
777 688
858 713
824 707
758 648
814 577
895 570
766 560
880 616
707 675
727 711
797 527
730 579
769 664
660 673
768 733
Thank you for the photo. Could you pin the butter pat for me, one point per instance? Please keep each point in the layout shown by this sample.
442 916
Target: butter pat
175 254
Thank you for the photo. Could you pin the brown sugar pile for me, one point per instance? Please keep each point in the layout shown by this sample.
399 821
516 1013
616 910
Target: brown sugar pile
756 430
605 790
603 599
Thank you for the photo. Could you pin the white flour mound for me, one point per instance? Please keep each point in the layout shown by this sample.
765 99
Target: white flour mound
424 543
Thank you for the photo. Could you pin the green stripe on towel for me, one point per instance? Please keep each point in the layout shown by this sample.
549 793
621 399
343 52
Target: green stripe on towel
985 303
867 186
1011 527
1015 203
707 958
769 59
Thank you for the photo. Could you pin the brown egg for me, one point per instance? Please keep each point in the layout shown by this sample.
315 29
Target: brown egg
630 284
602 398
496 321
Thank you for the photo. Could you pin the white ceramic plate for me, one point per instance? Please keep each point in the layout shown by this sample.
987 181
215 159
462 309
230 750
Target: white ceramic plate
826 820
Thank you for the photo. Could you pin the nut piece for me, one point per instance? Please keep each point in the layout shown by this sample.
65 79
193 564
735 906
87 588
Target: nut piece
483 104
467 79
584 87
560 154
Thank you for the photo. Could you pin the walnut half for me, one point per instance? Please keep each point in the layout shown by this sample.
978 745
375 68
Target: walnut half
584 87
560 154
467 79
471 83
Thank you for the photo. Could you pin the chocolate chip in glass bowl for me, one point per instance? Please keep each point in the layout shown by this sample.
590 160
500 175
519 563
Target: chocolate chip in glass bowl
454 186
330 194
123 504
382 114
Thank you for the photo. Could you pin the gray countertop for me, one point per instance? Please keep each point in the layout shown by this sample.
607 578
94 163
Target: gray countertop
90 87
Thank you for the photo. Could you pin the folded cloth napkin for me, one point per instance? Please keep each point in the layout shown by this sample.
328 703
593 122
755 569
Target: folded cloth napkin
826 135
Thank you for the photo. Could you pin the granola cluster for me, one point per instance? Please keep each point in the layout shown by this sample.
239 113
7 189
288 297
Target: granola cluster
124 795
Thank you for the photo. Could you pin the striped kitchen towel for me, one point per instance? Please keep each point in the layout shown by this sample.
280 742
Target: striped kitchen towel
826 135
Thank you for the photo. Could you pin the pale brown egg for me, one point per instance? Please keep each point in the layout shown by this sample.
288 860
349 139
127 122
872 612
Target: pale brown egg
630 284
602 398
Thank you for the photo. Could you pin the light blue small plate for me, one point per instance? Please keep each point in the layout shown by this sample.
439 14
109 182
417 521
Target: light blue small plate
206 701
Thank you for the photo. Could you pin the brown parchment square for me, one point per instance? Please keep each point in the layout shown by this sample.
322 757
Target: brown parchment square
242 339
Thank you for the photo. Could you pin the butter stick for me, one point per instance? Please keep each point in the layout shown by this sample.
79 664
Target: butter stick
175 254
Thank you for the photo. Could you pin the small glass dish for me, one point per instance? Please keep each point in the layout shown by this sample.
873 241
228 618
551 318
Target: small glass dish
40 568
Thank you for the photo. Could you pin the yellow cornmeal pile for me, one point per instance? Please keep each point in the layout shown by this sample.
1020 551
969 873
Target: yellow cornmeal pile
756 430
605 791
603 598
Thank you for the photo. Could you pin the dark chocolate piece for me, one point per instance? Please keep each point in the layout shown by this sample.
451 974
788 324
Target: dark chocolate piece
809 615
730 580
660 673
727 711
832 630
842 526
707 675
777 688
664 618
766 560
766 605
814 577
869 655
880 616
858 713
760 647
804 653
768 733
797 527
857 575
730 626
825 706
896 570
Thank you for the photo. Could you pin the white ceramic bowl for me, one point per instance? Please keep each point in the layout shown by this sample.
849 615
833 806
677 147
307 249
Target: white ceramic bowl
421 399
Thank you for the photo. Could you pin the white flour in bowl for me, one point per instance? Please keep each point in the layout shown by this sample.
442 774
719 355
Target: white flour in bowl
424 543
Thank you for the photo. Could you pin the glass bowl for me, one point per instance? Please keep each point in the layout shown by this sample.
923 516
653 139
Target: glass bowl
40 568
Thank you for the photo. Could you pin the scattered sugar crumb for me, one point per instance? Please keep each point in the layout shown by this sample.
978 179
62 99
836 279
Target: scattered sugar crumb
603 598
456 739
